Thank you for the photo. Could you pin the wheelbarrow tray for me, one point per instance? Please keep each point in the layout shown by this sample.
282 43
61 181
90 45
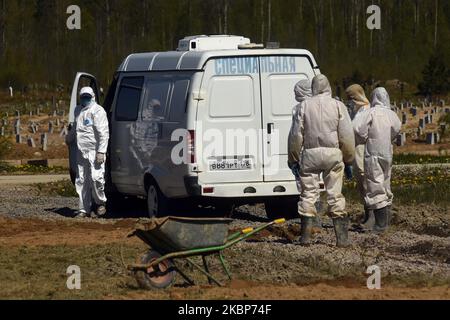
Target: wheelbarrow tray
171 234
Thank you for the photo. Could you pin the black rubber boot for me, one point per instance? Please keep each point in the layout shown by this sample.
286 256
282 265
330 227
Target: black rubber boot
307 226
381 220
368 221
389 210
317 222
341 229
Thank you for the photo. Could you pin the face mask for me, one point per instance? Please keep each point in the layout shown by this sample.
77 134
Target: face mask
85 101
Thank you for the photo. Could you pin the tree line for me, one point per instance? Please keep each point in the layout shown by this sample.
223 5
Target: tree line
37 47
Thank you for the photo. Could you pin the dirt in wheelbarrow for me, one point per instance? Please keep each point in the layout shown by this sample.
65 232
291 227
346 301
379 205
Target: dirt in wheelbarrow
39 242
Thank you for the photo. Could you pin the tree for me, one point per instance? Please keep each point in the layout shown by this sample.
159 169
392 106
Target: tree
435 77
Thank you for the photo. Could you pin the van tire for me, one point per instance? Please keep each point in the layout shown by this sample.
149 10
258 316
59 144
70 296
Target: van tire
158 205
225 210
286 208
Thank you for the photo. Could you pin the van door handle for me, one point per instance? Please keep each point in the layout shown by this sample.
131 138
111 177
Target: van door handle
270 128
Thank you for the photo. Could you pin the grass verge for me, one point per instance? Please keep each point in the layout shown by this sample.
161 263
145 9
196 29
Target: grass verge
63 188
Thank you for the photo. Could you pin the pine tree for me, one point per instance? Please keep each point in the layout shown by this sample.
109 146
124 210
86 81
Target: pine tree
435 77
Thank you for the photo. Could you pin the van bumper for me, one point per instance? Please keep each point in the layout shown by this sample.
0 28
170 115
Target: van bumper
193 188
241 190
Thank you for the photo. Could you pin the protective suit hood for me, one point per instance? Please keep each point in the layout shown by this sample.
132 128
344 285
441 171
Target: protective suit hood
380 98
357 95
87 91
303 90
321 85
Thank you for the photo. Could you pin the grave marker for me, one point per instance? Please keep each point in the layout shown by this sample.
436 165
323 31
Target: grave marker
430 138
17 127
44 141
401 139
31 142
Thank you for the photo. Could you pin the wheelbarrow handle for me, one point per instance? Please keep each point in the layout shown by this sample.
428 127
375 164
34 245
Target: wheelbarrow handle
280 221
248 232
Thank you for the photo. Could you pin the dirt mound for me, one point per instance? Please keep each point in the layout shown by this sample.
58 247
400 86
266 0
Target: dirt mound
35 232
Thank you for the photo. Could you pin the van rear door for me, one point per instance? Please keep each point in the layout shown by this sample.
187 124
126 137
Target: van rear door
228 130
279 74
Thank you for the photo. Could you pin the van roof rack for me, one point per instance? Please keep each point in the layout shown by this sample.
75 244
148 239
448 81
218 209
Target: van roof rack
253 46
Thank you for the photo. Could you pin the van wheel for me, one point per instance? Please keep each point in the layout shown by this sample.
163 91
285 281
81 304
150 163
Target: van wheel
225 209
277 209
157 203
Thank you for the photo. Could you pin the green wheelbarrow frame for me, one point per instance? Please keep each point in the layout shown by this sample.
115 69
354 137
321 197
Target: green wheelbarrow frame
169 252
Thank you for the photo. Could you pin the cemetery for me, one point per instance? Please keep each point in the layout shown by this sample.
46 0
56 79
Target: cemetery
36 130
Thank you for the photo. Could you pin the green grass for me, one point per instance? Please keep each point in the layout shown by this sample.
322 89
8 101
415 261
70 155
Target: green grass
410 194
63 188
420 159
6 169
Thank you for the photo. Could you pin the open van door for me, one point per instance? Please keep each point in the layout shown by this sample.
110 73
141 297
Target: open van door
81 80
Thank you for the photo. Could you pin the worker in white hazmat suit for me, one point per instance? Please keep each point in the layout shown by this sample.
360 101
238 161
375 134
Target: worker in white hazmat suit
378 128
325 136
92 136
358 103
302 91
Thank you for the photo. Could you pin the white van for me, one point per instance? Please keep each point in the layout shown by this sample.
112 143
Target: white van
208 122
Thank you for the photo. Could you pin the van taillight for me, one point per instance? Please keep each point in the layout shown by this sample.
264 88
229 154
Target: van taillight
191 146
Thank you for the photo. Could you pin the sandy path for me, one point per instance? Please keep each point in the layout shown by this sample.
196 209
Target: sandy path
30 179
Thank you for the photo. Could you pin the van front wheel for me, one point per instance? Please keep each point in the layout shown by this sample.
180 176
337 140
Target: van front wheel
157 203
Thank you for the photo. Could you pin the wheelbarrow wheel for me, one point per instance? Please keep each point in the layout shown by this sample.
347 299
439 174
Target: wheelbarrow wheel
159 277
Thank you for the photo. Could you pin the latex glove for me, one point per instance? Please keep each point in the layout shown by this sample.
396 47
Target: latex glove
71 135
295 168
100 158
349 172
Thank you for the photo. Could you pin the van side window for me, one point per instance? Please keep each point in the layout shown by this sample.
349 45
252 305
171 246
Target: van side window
156 100
178 102
129 98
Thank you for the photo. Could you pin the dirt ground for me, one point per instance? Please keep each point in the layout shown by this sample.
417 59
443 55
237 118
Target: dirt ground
40 239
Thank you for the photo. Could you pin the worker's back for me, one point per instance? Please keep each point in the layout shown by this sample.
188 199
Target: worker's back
326 123
384 127
321 122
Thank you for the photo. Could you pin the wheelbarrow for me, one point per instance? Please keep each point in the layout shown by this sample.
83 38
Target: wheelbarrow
171 239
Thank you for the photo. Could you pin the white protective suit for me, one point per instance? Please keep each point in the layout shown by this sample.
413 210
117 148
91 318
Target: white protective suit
302 91
326 136
92 135
360 103
378 127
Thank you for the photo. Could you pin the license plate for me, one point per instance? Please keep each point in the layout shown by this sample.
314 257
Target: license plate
230 165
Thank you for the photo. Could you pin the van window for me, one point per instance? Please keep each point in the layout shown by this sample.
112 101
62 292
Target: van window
156 100
231 97
178 102
282 94
129 98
